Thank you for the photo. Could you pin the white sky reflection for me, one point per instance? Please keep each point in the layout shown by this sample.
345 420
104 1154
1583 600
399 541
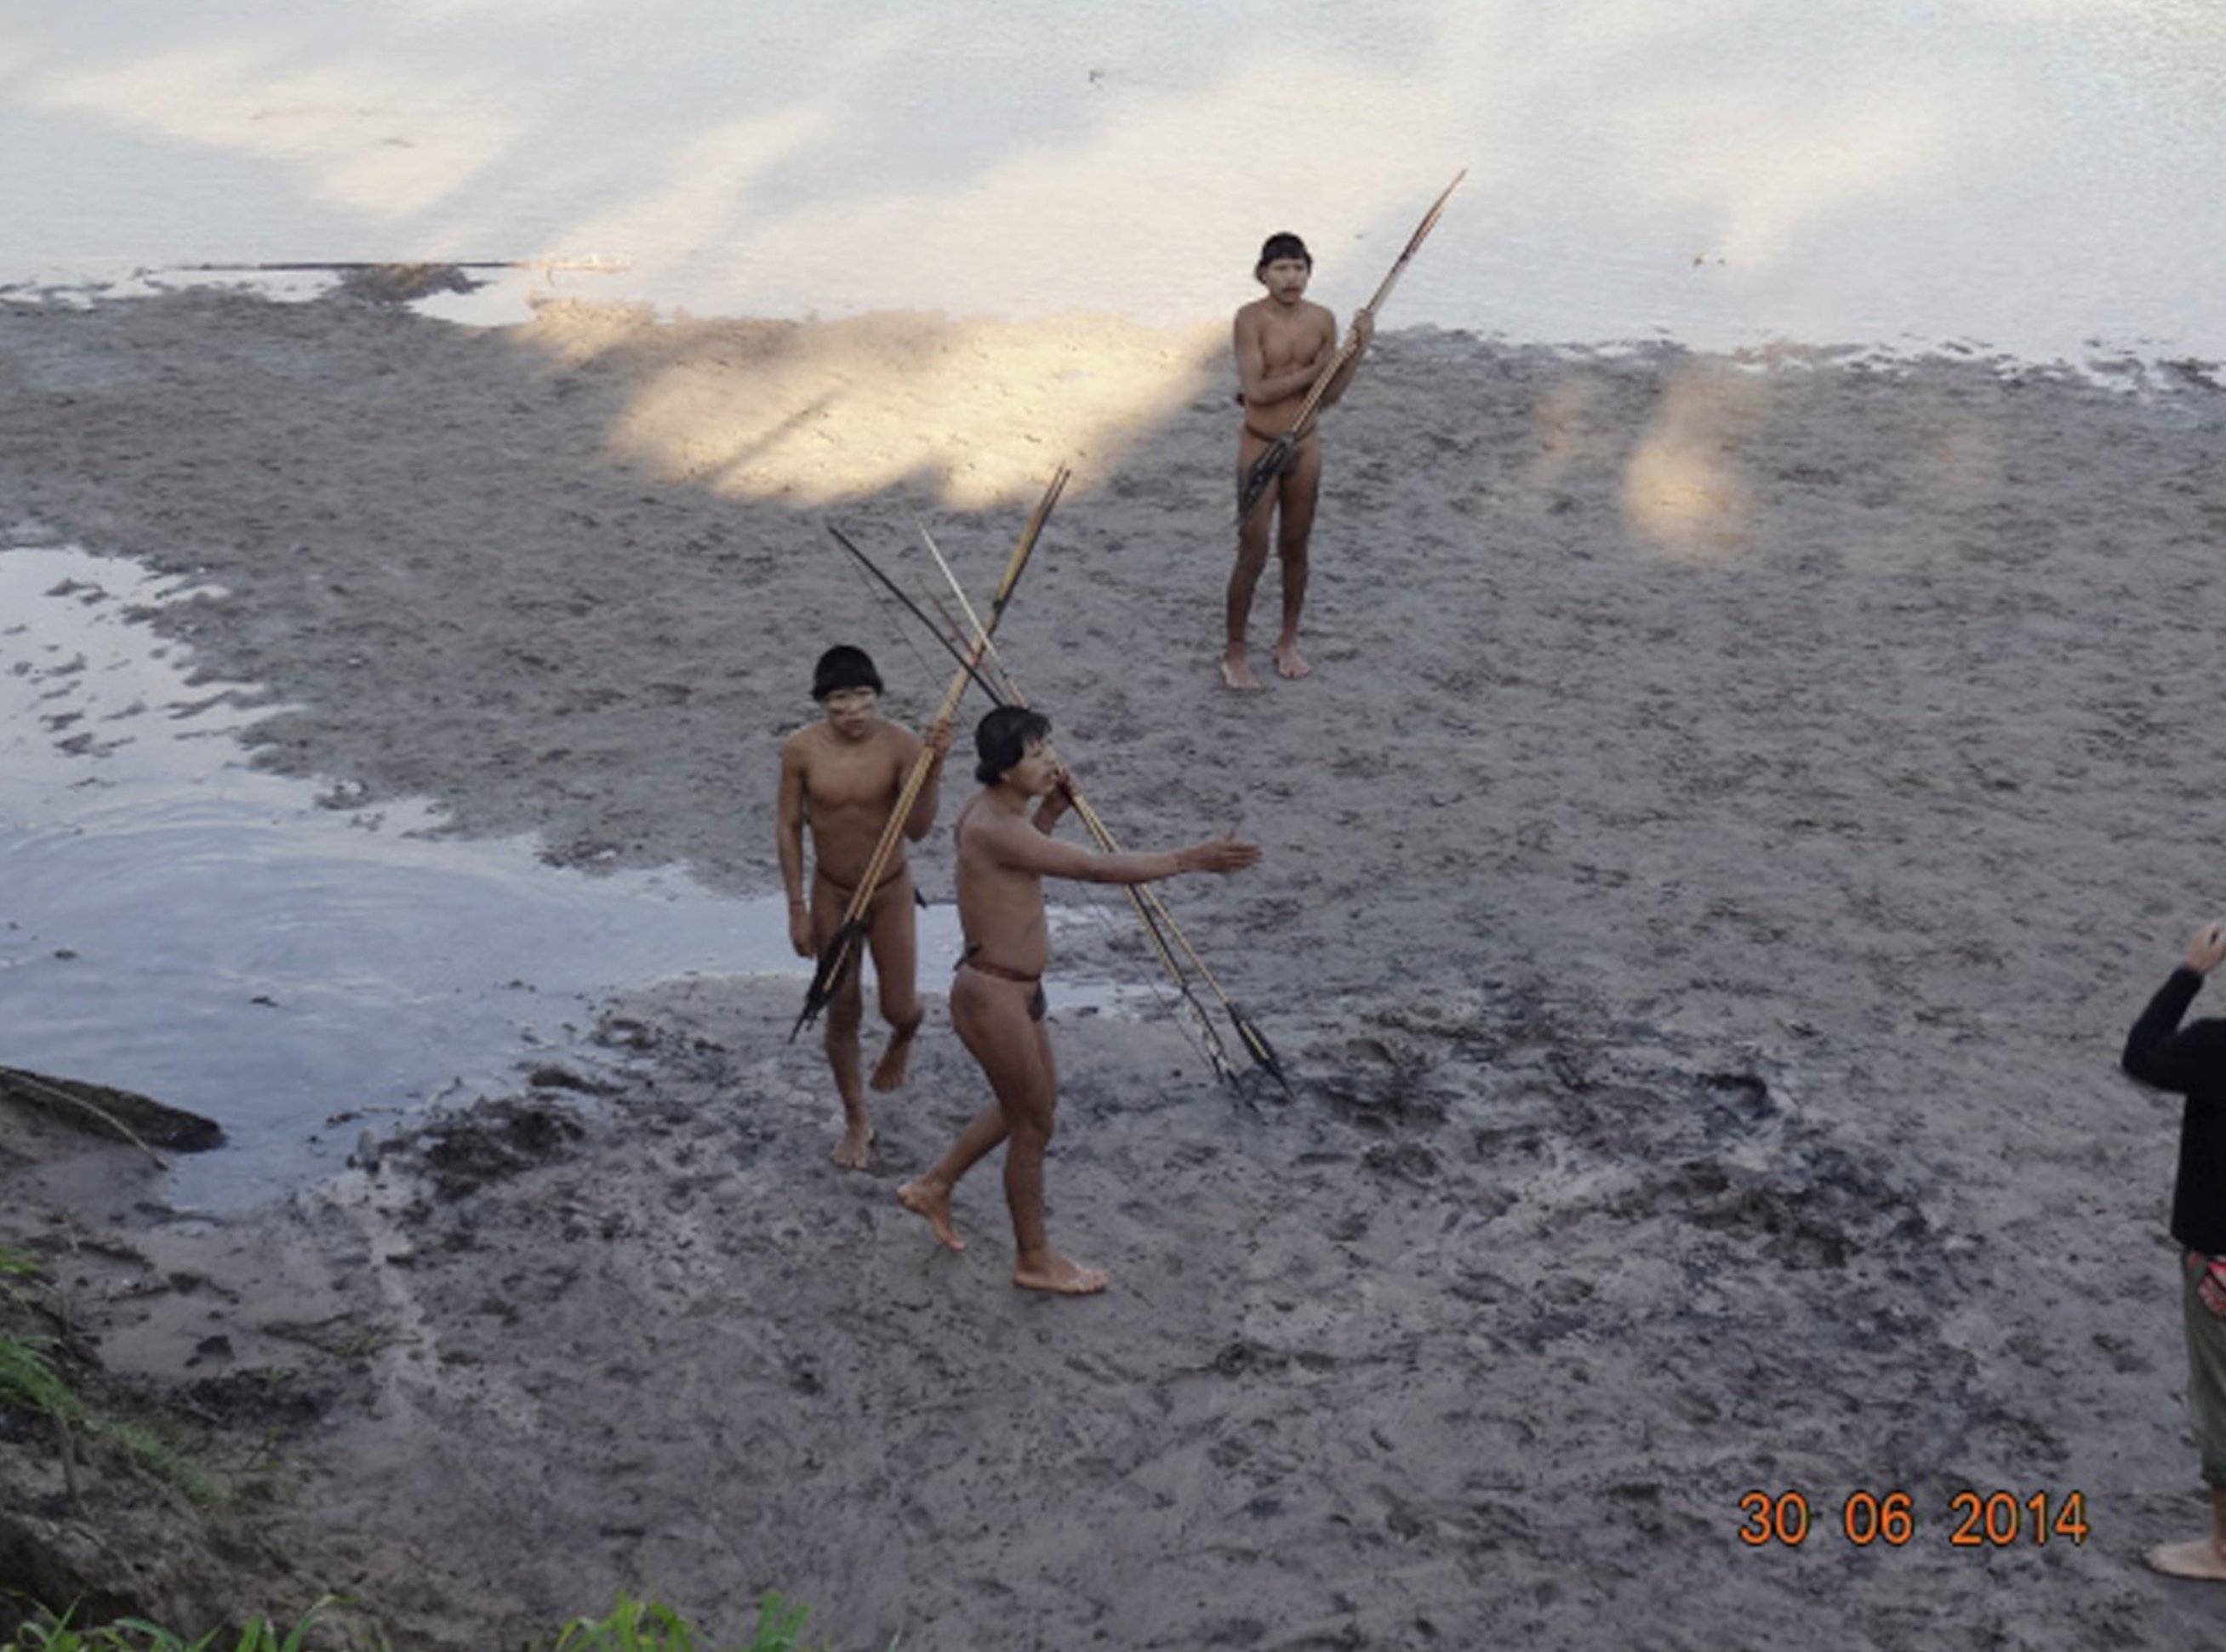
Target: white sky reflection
2031 175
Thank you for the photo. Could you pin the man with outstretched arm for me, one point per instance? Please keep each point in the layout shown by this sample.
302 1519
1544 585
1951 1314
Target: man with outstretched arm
2191 1061
843 777
1283 342
1004 851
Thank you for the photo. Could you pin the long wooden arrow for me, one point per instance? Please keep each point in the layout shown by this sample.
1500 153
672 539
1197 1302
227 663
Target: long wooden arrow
841 951
1166 935
1273 462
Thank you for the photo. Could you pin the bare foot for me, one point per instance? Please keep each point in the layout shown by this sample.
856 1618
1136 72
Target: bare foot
2200 1558
856 1150
1291 663
895 1064
1060 1277
933 1203
1237 672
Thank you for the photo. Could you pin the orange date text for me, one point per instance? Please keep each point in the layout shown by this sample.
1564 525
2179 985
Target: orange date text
1891 1519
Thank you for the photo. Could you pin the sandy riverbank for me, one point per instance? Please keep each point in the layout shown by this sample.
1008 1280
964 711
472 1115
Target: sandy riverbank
1739 807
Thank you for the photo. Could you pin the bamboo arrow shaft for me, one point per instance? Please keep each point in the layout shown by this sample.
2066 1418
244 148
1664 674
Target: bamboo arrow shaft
1010 694
853 915
1104 835
1254 1041
972 668
1351 344
1144 900
1272 461
955 692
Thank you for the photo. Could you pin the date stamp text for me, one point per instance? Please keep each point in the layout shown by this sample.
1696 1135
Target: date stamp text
1889 1519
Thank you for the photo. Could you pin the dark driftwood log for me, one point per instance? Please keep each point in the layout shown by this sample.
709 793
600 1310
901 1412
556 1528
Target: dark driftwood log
98 1110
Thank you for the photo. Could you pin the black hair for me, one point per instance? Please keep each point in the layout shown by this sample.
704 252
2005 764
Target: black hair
1001 738
1283 244
843 667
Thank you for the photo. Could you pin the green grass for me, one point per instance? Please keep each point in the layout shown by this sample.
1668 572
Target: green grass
31 1382
48 1633
645 1626
632 1626
29 1379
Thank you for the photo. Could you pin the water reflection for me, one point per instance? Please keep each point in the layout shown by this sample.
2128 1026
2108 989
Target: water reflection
174 923
2029 175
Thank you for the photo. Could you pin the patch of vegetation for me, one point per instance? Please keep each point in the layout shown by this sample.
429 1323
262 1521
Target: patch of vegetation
645 1626
48 1633
28 1378
35 1385
632 1626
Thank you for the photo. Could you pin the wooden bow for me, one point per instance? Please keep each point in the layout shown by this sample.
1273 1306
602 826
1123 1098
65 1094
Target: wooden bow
1177 955
841 951
1273 462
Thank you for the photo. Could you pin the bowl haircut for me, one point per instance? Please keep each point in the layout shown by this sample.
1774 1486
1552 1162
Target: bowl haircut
843 667
1002 738
1282 246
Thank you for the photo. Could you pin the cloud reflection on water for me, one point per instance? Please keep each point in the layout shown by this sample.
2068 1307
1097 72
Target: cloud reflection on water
2015 173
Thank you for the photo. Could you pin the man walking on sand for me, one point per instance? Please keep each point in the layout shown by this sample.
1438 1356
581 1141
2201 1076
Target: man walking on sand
1283 341
843 776
2191 1061
1004 851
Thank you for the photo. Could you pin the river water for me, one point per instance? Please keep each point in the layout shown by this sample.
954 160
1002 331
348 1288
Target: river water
176 923
2034 176
251 948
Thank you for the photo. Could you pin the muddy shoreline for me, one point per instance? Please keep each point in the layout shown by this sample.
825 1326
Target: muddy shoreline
1739 807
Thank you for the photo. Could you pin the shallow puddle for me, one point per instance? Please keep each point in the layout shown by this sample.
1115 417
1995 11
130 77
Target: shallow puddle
174 922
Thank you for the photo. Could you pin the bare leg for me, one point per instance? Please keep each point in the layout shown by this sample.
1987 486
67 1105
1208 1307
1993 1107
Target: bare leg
1015 1050
930 1195
2205 1557
845 1013
1243 579
1301 489
1251 561
896 955
895 1064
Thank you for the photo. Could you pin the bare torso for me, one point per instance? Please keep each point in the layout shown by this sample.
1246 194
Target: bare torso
1000 903
844 789
1281 348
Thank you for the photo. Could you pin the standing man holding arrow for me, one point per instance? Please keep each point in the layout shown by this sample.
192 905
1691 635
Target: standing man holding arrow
879 787
843 776
1293 367
1004 851
1285 343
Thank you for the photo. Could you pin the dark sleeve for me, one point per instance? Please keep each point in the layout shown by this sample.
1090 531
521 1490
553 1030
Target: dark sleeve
2158 1052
